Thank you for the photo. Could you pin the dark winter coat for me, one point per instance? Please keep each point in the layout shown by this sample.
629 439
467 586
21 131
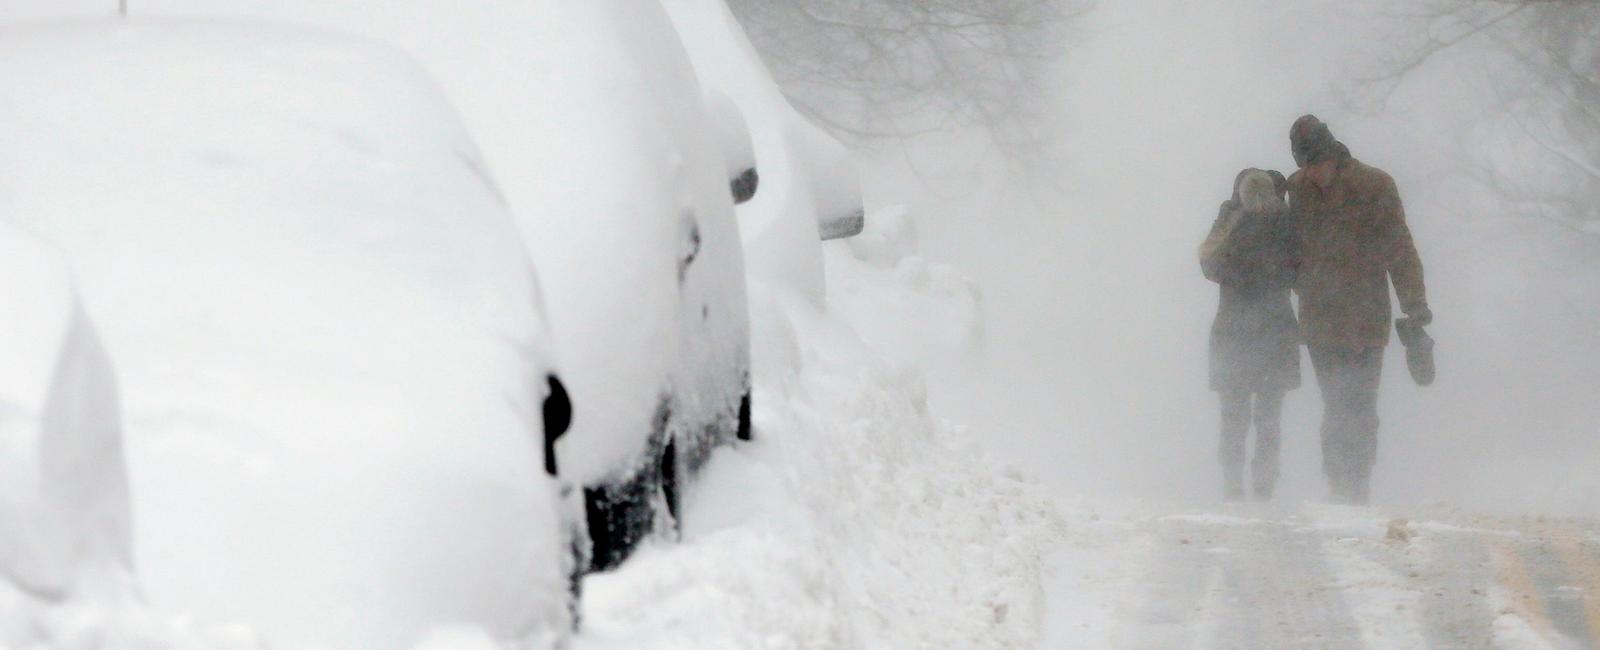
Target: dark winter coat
1254 256
1354 240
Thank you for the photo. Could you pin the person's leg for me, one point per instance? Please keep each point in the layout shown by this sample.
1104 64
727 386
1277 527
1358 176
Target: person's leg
1325 361
1269 426
1235 426
1365 370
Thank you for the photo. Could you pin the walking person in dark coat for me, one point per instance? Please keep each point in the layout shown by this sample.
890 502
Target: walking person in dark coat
1354 242
1253 253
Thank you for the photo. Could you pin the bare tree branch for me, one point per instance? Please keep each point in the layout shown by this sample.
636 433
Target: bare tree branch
885 69
1549 109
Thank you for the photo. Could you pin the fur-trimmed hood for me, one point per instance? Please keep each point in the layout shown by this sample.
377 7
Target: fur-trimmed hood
1259 193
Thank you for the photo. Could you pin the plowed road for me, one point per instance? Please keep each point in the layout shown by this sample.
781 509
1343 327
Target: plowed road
1320 576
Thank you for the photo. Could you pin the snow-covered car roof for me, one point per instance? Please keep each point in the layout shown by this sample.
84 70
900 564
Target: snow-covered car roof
327 327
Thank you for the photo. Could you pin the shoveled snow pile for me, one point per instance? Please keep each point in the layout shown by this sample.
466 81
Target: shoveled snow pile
856 520
905 306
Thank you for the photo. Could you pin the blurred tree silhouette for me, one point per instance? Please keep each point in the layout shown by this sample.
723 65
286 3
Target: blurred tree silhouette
869 70
1545 131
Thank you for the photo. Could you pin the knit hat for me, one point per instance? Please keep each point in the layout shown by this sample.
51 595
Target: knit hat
1311 142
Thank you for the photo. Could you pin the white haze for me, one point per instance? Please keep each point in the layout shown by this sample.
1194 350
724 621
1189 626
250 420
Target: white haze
1092 371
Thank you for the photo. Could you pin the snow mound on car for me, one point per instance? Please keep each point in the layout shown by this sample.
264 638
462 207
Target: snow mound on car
326 327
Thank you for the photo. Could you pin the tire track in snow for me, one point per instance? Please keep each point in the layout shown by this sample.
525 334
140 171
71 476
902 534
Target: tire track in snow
1564 573
1520 617
1171 605
1321 576
1580 553
1293 581
1455 573
1230 582
1375 582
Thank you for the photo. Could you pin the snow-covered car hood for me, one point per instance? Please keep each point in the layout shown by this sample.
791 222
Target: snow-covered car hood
327 328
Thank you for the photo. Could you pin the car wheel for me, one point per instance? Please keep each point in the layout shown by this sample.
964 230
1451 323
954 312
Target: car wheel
670 486
622 514
746 430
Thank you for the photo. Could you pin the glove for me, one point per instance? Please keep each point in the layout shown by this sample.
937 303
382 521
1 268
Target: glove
1420 316
1419 349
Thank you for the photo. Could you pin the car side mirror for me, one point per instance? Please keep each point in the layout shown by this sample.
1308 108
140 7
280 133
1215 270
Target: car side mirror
841 226
744 185
557 413
733 139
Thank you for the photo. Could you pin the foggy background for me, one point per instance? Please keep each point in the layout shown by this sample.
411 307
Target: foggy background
1070 157
1081 230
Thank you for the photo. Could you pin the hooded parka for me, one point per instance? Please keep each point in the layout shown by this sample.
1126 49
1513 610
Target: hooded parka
1253 254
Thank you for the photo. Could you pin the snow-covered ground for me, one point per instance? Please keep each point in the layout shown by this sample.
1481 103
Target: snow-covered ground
858 518
1135 574
861 518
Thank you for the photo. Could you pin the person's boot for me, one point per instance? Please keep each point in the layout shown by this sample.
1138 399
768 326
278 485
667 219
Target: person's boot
1263 485
1233 483
1263 477
1360 490
1339 490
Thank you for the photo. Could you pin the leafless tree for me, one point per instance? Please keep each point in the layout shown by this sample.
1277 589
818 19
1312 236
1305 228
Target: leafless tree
1546 122
873 69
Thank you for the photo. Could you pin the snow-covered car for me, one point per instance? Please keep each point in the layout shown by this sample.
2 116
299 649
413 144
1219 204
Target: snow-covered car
334 361
64 515
810 188
593 122
629 213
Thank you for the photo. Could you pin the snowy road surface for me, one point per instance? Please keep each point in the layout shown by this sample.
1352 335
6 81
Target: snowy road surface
1321 576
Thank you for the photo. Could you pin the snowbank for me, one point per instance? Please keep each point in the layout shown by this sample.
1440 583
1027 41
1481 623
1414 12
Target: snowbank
914 310
856 520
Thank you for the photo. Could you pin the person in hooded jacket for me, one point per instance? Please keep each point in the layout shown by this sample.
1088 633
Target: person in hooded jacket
1253 253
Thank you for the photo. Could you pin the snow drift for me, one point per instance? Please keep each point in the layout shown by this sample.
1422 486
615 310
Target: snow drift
858 518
